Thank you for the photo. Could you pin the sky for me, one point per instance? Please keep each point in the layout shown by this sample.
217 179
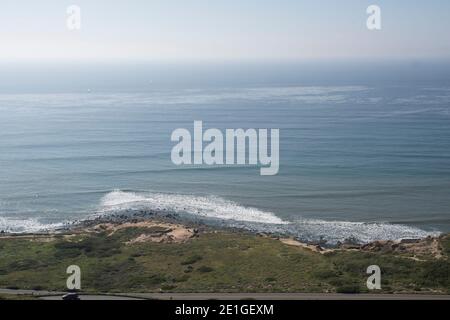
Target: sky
222 30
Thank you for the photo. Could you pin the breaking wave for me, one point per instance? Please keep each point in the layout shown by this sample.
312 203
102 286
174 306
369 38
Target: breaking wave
203 206
235 215
359 232
15 225
216 210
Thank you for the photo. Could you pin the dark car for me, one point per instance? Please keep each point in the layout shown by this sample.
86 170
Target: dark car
71 296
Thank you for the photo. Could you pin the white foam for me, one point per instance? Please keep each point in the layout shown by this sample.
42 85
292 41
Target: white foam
204 206
362 232
256 219
15 225
236 215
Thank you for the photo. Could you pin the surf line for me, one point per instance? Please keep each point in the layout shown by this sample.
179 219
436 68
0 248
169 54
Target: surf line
242 147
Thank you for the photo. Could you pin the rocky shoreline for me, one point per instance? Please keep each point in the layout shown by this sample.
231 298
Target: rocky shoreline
172 225
153 253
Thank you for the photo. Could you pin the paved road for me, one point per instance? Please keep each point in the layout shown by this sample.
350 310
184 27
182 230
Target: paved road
47 295
93 297
284 296
55 295
29 292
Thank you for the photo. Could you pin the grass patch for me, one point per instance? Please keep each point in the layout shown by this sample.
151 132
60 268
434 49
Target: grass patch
205 269
191 260
212 262
349 288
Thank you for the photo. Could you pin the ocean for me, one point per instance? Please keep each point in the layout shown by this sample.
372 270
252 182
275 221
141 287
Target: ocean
365 160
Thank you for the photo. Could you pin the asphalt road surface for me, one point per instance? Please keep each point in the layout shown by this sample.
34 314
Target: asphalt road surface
49 295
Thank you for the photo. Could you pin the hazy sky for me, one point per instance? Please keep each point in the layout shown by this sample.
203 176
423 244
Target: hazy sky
223 30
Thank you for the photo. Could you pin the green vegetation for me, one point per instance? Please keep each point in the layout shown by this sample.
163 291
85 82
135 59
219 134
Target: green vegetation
211 262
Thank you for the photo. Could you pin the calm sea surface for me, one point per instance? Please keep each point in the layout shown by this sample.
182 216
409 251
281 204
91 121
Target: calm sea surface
361 161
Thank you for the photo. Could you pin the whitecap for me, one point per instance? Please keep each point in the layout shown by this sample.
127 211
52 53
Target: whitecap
202 206
16 225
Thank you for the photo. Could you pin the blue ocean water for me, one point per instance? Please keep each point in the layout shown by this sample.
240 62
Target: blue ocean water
367 161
